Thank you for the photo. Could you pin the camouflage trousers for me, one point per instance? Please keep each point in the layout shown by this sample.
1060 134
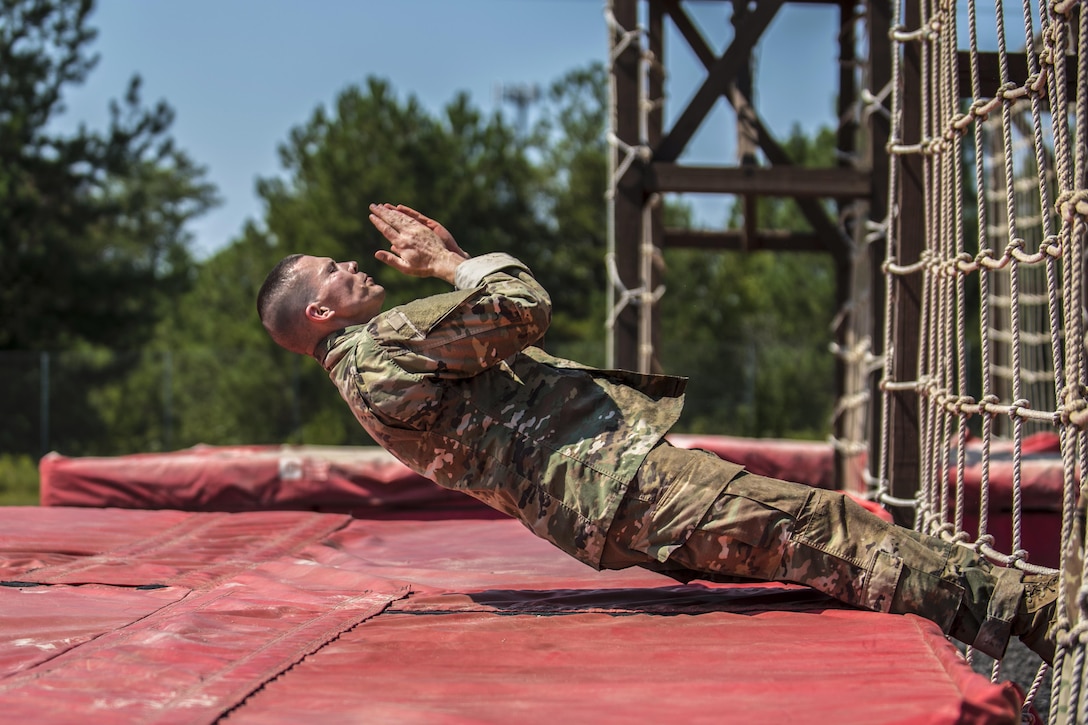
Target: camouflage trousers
771 530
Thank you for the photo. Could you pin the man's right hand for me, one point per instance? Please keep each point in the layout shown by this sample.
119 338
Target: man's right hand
438 229
419 246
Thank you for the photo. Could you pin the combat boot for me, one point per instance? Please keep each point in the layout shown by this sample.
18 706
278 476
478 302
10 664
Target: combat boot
1037 615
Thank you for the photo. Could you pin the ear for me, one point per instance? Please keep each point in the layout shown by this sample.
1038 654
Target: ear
319 313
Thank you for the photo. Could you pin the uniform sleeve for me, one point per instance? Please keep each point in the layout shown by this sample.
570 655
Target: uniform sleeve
471 272
500 311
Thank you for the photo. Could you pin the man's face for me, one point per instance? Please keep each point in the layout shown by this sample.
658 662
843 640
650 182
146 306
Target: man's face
351 296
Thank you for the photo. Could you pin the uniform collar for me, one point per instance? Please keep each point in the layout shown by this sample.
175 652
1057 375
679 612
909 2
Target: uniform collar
321 350
324 351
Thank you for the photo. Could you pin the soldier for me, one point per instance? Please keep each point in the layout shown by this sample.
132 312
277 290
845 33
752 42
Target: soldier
453 386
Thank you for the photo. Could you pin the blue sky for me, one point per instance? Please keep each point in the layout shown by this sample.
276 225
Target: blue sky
241 73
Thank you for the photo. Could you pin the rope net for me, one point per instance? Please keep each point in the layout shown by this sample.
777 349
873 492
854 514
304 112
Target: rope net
997 272
1000 353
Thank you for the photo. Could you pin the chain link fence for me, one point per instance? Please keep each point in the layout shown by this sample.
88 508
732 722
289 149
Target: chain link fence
103 403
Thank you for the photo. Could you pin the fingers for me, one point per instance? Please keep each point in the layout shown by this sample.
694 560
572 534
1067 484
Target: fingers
382 226
409 211
392 217
439 230
393 225
416 239
417 216
425 221
389 258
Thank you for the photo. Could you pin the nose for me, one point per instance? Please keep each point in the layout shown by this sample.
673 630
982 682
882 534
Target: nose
353 266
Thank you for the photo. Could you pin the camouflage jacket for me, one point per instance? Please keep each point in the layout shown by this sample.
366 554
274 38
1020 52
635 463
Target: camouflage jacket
452 386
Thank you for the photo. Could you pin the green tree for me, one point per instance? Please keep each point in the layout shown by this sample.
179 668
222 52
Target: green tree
92 236
753 328
93 242
570 146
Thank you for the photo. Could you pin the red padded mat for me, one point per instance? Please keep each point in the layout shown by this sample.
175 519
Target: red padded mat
112 616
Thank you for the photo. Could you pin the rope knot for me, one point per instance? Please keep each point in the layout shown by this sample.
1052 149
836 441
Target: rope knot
1017 406
1076 635
980 108
1051 246
965 263
1037 81
965 405
1018 555
1073 404
944 528
1054 38
961 122
1062 7
1072 203
1009 91
961 537
989 404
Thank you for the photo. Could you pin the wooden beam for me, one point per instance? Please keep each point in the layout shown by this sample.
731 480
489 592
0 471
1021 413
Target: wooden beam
719 75
735 240
690 33
789 181
834 240
989 73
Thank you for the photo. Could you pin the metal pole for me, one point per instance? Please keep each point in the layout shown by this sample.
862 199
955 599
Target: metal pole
167 401
296 407
43 418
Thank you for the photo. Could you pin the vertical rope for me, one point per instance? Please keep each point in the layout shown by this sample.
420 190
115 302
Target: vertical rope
895 139
959 301
1014 271
987 397
1075 332
926 411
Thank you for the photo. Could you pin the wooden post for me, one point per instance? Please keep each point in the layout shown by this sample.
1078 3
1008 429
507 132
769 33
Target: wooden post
655 88
904 464
629 191
743 100
880 74
846 142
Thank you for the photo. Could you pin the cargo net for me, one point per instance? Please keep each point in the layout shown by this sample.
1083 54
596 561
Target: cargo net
1001 348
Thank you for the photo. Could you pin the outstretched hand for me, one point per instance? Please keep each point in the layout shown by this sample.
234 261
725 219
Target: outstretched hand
419 246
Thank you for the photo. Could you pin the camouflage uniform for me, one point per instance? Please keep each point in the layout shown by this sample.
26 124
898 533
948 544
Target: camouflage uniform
452 386
771 530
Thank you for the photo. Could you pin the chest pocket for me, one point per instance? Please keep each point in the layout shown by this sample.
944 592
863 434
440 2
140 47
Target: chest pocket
401 400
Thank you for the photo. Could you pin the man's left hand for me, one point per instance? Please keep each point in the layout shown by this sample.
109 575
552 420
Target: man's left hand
419 246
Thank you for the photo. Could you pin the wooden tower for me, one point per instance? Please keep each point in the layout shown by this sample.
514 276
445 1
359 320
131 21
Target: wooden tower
647 159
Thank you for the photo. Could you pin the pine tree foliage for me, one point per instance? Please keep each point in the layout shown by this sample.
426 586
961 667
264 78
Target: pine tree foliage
93 244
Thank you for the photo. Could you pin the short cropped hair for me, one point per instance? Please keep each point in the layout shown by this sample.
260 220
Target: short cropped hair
281 305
